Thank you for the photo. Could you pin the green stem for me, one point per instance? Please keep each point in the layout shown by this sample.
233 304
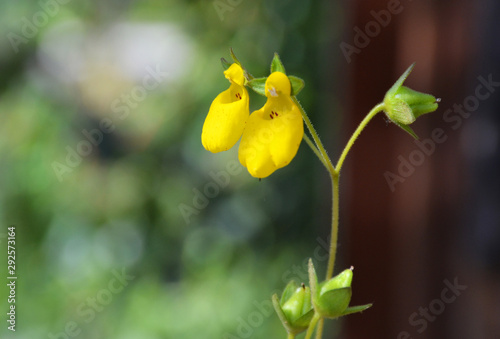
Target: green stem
312 325
333 238
313 147
325 159
319 331
335 176
290 336
322 155
335 224
378 108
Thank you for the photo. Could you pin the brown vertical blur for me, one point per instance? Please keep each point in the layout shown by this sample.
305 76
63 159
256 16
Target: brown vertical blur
400 241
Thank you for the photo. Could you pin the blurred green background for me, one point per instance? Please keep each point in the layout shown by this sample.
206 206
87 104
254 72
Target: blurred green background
97 169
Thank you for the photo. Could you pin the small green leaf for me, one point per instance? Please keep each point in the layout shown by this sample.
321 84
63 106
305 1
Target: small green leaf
356 309
277 65
297 84
258 85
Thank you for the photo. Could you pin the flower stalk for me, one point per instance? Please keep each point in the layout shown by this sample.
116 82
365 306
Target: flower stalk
270 138
334 172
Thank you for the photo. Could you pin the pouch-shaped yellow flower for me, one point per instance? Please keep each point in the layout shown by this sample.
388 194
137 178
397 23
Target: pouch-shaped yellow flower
273 133
227 115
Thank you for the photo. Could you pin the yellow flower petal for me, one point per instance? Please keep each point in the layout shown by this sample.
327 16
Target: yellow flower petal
277 84
273 133
227 115
235 74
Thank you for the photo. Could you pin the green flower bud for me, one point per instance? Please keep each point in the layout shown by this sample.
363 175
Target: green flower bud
334 295
331 298
298 305
294 308
403 105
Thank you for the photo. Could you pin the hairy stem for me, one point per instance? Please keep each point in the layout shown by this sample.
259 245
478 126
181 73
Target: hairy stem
312 325
313 147
325 159
334 172
378 108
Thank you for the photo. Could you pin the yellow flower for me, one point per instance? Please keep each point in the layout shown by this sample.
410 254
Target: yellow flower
273 133
227 115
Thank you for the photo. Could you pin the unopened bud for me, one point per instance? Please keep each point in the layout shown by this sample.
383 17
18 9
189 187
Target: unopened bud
403 106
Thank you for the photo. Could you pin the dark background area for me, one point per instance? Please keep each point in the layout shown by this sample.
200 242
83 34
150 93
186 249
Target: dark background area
123 242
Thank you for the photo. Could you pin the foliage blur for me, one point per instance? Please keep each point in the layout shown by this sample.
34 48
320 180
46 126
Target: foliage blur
88 209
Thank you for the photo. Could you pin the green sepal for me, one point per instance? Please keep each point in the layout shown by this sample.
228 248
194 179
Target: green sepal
248 76
420 103
258 85
280 313
294 308
298 305
233 56
333 303
401 79
408 130
225 64
297 84
341 280
331 298
356 309
277 65
399 111
313 279
303 322
288 291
